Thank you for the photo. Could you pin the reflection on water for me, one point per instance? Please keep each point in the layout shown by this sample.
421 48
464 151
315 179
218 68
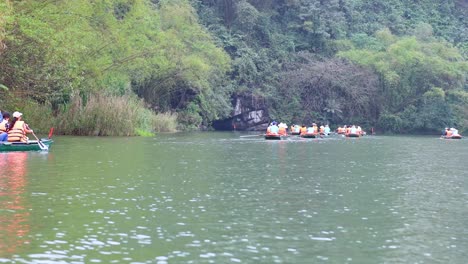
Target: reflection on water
14 213
219 198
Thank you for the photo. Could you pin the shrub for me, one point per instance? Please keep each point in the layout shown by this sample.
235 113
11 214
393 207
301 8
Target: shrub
390 122
101 114
165 122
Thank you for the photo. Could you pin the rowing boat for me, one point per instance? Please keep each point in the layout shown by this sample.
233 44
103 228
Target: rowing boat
310 135
31 145
452 137
275 136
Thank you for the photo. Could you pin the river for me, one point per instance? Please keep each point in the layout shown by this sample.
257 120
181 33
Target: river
217 197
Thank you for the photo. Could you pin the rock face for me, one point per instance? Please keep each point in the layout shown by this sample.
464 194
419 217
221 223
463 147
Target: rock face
248 115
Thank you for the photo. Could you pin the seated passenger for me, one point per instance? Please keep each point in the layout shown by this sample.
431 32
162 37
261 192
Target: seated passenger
322 130
326 130
18 129
273 129
4 125
282 129
297 129
454 132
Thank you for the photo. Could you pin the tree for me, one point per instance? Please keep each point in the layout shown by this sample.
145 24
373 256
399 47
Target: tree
328 86
411 70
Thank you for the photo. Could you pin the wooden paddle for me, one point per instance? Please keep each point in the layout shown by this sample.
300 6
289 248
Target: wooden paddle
253 135
51 132
39 142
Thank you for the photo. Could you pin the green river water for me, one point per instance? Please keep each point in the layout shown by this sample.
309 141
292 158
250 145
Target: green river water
225 198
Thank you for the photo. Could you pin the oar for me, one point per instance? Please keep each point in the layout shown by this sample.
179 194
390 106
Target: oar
51 132
39 142
253 135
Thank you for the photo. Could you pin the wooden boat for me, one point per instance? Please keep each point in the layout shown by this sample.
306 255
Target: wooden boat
452 137
273 136
310 135
31 145
352 135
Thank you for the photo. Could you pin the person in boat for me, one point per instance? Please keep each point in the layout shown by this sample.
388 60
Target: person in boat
18 129
297 129
273 128
322 130
454 132
360 131
449 133
303 130
326 130
347 130
4 125
339 130
312 129
282 129
445 131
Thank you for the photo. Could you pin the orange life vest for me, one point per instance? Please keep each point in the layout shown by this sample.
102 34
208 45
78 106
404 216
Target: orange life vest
303 130
17 133
282 131
449 133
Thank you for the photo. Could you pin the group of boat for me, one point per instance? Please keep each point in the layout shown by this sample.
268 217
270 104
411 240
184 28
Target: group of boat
276 136
278 131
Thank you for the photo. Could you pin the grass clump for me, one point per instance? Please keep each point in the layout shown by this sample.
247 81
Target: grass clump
96 114
165 122
102 114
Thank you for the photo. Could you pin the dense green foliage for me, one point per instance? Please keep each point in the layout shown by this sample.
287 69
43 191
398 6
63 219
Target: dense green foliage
396 65
415 74
56 49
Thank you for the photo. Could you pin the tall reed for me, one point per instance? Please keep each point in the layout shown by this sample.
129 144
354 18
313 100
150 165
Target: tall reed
165 122
101 114
97 114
